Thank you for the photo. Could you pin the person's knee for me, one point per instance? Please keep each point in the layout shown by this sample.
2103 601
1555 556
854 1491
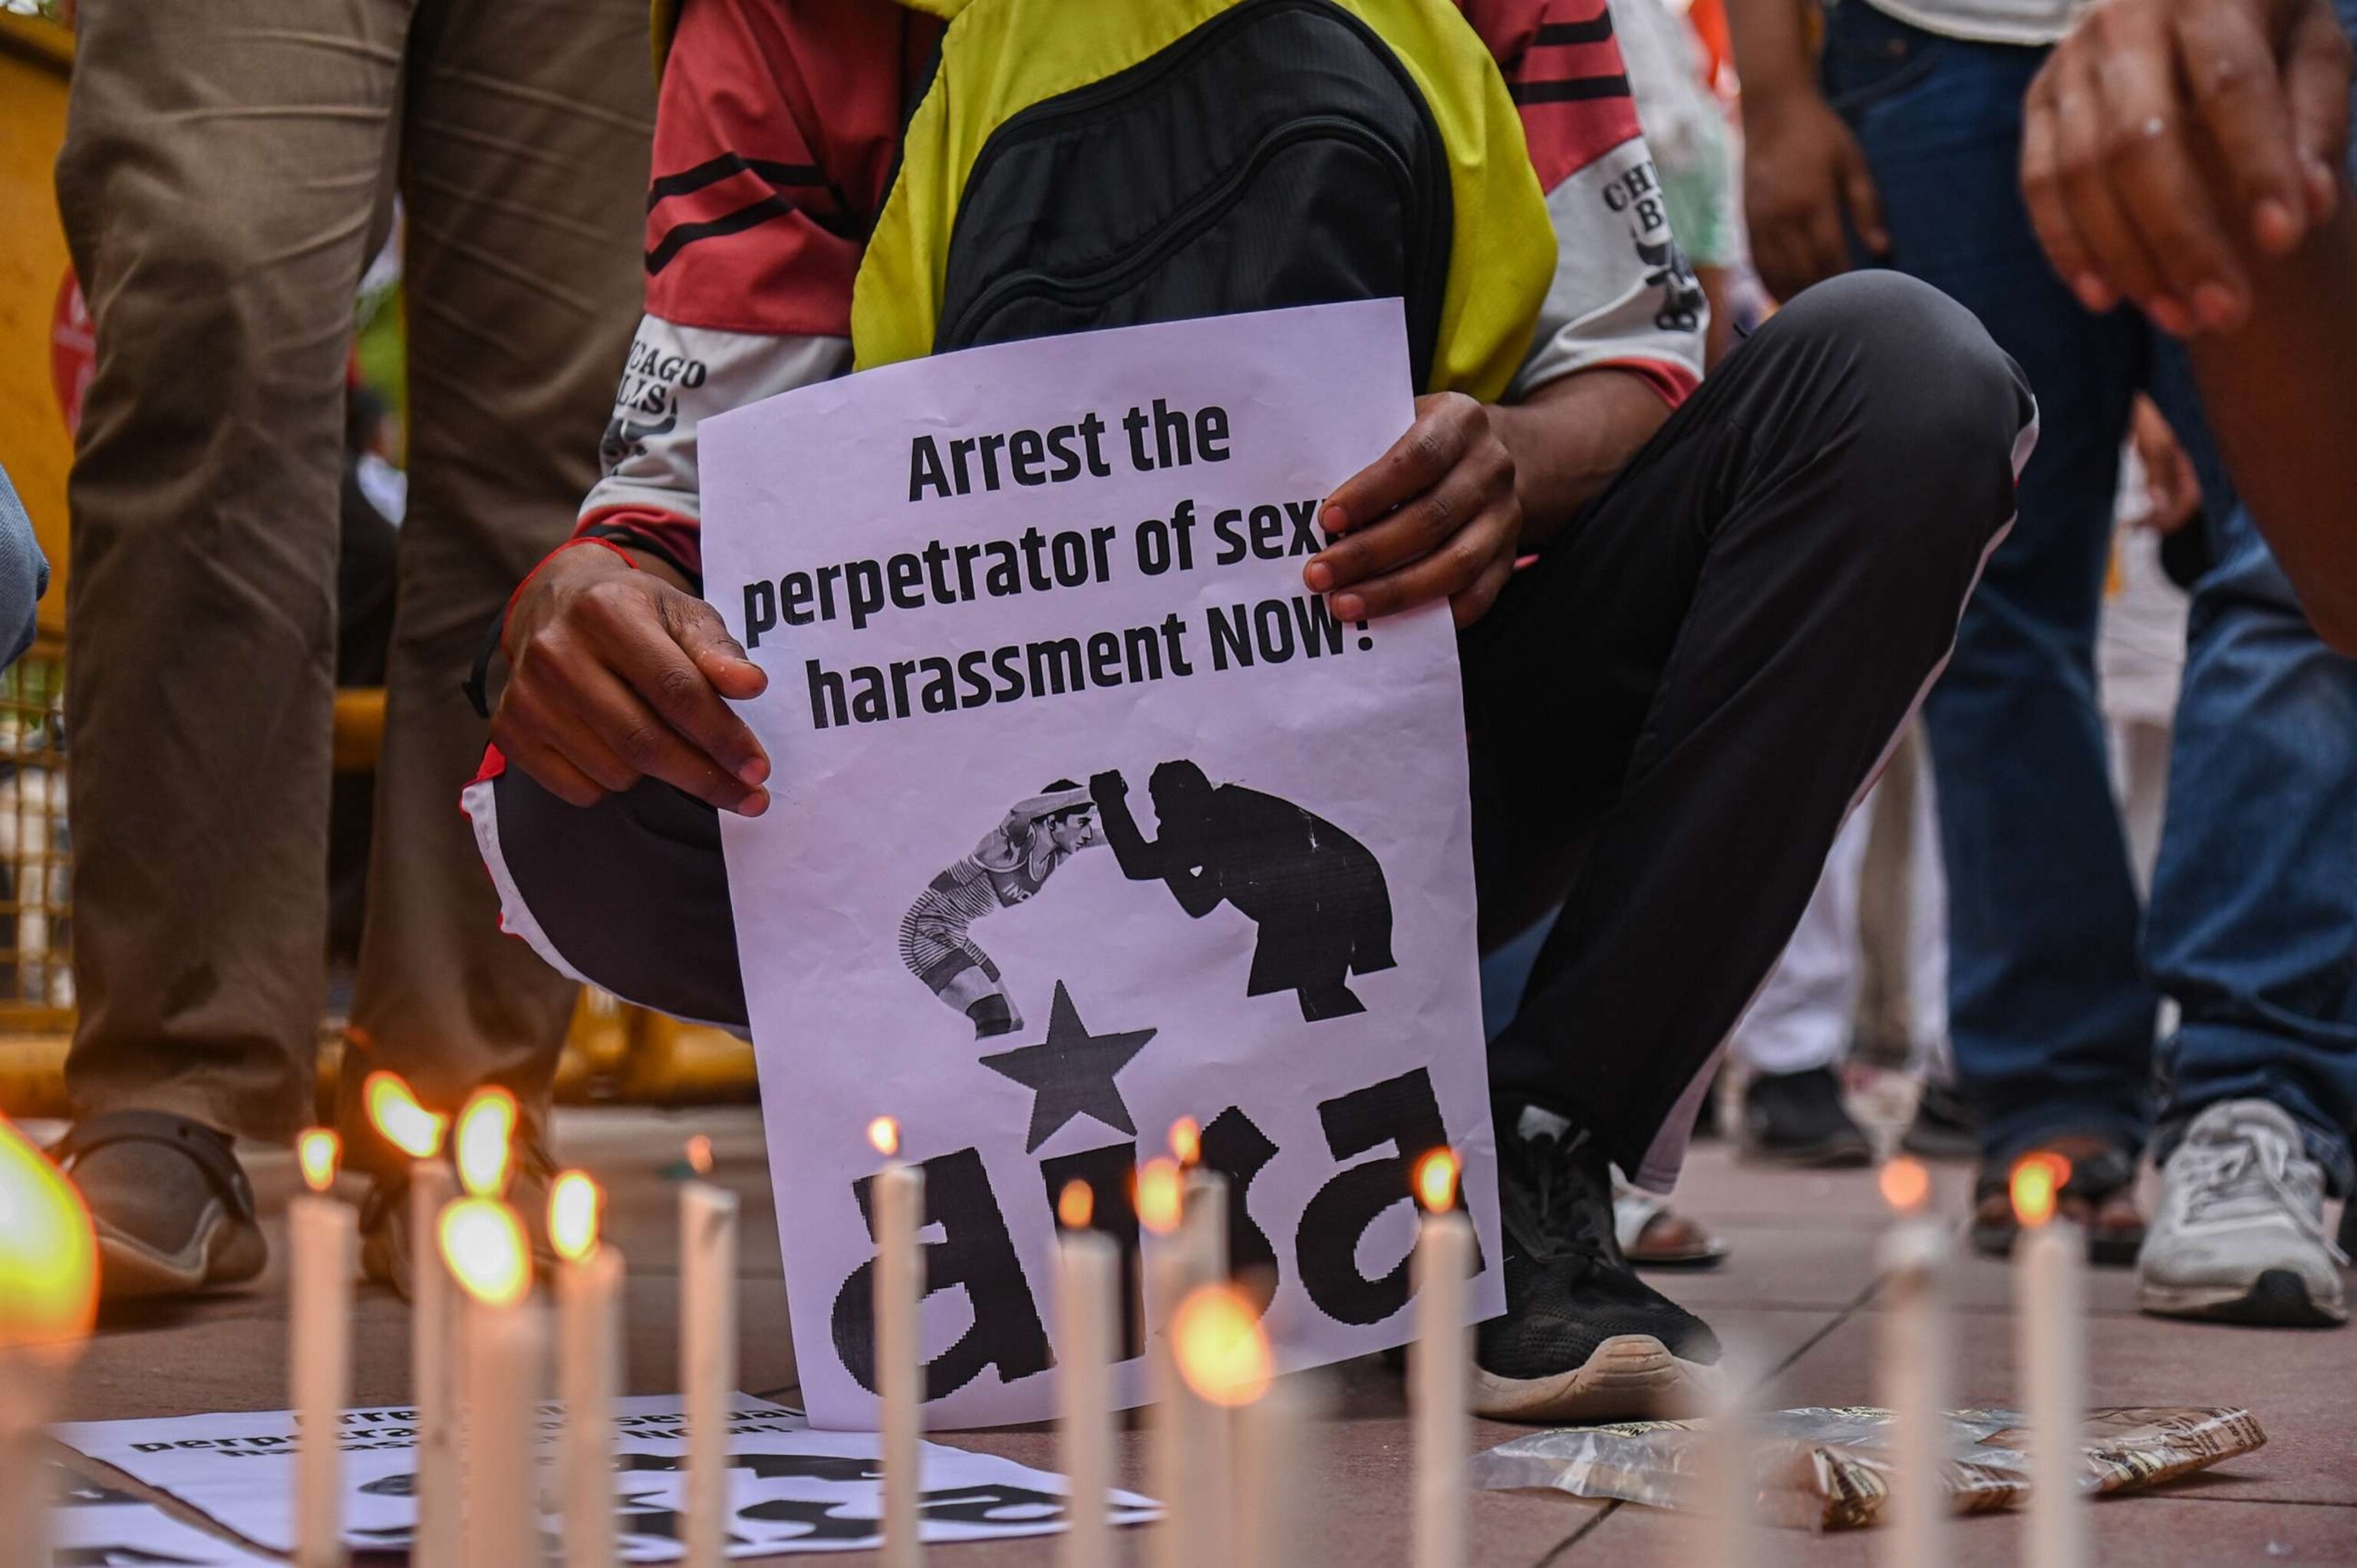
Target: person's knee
631 893
1940 419
1925 368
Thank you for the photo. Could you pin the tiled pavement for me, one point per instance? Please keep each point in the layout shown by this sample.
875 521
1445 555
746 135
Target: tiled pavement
1797 1297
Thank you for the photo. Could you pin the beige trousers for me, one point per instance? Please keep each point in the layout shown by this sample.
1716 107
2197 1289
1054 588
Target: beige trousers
227 171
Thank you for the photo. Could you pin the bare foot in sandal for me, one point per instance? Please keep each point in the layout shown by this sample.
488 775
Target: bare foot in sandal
2099 1197
1653 1235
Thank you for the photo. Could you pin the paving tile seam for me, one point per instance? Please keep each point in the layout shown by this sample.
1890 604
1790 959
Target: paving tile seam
1582 1533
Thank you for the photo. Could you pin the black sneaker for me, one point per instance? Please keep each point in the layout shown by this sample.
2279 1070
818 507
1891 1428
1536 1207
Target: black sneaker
1798 1118
1583 1338
1942 1126
171 1206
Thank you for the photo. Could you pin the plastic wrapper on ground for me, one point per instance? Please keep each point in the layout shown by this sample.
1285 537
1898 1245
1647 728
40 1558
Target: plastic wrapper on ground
1825 1469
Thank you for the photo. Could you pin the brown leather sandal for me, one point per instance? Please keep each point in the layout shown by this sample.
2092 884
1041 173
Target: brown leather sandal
2100 1197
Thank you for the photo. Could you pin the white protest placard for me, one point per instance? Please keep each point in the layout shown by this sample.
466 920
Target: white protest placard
1088 816
97 1527
790 1488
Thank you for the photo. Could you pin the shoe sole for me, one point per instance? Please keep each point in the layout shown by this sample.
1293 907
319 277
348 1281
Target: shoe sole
1710 1258
2113 1251
2278 1298
1631 1376
1834 1154
223 1252
1939 1145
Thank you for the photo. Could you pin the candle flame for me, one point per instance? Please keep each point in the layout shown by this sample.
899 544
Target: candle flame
575 1206
699 1154
1435 1179
49 1254
1076 1206
316 1150
1220 1348
1187 1140
2038 1186
395 1113
884 1136
482 1143
483 1243
1906 1184
1160 1196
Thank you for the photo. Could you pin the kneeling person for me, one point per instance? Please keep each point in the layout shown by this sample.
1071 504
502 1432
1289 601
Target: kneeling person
1731 593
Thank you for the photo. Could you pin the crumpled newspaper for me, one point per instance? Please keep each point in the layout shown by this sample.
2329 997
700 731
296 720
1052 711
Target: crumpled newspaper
1828 1468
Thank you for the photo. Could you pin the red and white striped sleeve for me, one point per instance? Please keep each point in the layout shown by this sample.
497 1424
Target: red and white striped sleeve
774 137
1623 297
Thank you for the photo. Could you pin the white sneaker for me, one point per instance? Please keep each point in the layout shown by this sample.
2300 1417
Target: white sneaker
2240 1235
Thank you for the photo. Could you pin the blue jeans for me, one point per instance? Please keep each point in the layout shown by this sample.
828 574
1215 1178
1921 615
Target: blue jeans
2253 928
24 574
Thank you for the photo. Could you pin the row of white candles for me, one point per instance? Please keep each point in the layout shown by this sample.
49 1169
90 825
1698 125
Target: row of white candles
1223 1437
1215 1430
1223 1442
480 1352
2050 1360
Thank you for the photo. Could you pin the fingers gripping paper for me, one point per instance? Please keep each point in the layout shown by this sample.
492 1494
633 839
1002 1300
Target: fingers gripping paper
1088 816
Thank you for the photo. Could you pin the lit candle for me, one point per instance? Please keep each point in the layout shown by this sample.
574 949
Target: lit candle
1222 1357
1187 1142
1440 1362
482 1155
1088 1319
1205 1212
2050 1357
1196 1452
418 1132
589 1312
48 1300
483 1243
1730 1487
897 1196
1170 1415
1915 1370
324 1239
1206 1225
1271 1437
708 1283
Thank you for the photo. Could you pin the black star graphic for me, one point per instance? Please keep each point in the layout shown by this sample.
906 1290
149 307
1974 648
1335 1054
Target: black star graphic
1071 1073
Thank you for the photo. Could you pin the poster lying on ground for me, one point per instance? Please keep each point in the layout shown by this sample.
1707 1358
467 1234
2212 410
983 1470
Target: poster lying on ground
790 1488
93 1526
1088 816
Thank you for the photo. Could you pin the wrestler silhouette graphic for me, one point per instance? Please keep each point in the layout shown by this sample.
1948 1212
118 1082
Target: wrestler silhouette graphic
1318 894
1010 866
